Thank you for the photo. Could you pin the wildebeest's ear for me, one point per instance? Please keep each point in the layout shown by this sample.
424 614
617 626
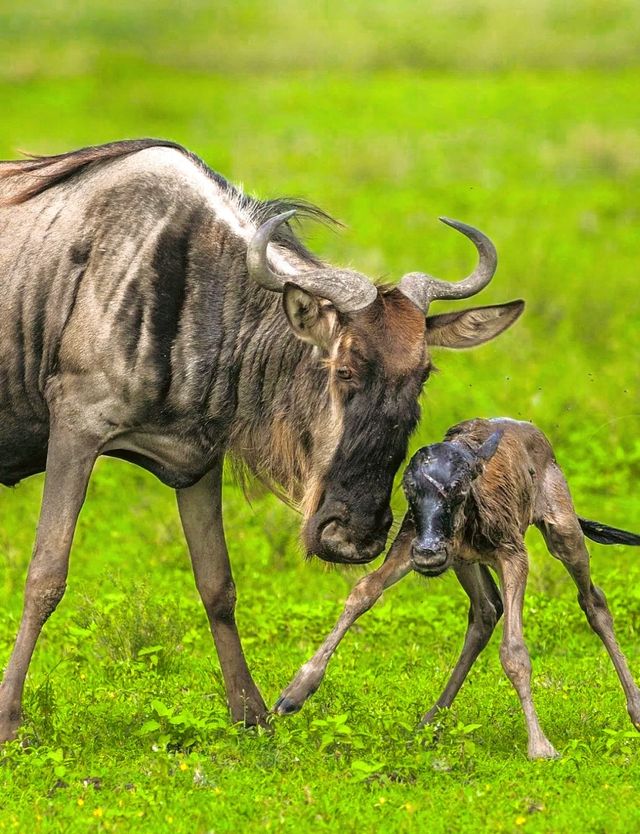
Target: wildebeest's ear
311 319
467 328
490 446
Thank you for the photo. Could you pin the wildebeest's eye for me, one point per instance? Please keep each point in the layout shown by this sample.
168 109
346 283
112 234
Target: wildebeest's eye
344 372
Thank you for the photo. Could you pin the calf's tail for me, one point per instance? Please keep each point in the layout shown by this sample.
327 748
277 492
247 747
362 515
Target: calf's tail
603 534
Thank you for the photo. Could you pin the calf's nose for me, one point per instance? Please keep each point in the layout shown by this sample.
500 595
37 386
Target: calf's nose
430 557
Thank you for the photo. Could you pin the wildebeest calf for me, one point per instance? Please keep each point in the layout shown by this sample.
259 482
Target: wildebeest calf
471 500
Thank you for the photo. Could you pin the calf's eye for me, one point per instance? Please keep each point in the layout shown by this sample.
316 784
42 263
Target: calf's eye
344 372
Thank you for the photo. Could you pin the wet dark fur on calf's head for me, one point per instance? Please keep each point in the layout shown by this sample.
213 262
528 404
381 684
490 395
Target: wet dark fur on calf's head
459 499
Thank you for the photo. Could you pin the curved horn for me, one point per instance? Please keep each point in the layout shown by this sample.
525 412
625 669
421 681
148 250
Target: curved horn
348 291
422 289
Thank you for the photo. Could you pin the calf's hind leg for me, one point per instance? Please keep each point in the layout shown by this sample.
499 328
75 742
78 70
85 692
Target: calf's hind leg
484 612
565 540
69 463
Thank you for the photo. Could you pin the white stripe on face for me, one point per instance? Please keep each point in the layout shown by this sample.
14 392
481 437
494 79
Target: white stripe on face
327 435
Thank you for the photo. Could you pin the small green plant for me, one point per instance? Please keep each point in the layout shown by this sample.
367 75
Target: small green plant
178 729
365 771
622 745
334 733
131 627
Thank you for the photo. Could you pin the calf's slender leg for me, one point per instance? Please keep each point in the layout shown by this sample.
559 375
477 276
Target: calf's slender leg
484 612
363 596
513 569
565 540
200 509
70 460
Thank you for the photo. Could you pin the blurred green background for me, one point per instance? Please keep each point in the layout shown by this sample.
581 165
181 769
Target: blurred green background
521 118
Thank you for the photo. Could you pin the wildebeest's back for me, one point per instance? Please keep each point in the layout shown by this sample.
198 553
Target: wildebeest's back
98 277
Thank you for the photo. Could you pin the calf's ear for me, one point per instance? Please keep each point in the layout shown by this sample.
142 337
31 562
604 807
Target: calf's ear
467 328
490 446
486 451
312 319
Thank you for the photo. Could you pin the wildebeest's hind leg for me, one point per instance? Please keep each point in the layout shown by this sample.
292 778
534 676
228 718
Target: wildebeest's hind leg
564 538
201 513
362 597
484 612
70 460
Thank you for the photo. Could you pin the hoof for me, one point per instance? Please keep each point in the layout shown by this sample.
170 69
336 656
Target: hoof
302 687
436 713
545 750
285 706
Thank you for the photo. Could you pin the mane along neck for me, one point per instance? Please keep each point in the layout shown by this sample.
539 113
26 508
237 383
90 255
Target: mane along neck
279 404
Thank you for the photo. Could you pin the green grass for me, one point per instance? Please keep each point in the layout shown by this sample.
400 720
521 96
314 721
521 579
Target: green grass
519 118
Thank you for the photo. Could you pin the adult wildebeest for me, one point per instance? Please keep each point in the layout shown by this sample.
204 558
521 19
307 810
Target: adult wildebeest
141 317
471 499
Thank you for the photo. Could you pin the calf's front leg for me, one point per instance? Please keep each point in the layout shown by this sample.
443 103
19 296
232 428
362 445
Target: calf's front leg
484 612
363 596
513 569
200 509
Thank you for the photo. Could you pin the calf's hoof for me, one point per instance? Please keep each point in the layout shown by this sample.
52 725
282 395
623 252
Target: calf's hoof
634 714
286 706
301 687
542 750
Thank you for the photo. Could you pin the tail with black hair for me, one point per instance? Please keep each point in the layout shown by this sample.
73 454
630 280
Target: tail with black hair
603 534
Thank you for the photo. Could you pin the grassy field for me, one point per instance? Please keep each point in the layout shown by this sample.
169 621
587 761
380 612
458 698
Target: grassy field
521 118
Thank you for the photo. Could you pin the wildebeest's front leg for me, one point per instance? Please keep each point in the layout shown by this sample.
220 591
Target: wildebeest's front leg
70 460
201 513
484 612
513 569
363 596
